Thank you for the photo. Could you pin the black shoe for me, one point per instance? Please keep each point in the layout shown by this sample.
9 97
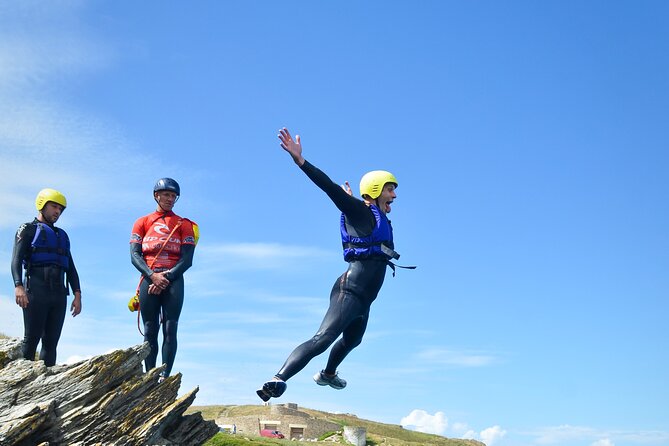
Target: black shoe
271 389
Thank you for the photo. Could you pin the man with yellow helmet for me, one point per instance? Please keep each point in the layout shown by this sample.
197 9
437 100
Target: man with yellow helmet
43 250
367 240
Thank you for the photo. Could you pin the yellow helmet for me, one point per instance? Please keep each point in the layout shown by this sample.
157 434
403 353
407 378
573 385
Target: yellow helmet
372 182
49 195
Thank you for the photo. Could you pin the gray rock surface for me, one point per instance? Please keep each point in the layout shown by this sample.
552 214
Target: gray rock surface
103 400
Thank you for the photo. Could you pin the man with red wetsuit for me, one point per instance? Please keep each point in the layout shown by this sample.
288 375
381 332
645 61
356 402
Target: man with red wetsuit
162 245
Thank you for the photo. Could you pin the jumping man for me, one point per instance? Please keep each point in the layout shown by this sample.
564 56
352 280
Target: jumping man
367 239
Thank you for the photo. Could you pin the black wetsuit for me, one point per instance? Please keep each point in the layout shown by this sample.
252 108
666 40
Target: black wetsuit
352 293
47 291
165 307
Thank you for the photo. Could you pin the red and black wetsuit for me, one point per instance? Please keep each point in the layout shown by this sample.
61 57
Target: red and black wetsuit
46 284
352 293
149 233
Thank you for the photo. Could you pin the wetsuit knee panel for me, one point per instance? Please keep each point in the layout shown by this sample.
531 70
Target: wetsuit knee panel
326 338
150 329
171 328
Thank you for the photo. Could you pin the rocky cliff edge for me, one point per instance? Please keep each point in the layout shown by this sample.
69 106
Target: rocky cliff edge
103 400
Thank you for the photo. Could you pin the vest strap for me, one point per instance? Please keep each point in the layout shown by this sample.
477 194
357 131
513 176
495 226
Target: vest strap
394 265
384 248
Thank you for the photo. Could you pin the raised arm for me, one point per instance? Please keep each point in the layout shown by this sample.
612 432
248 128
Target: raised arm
355 209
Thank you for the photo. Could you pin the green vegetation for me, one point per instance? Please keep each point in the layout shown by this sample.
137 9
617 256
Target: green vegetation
234 440
326 435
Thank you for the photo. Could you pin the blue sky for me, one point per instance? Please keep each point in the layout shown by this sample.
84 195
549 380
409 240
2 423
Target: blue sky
529 140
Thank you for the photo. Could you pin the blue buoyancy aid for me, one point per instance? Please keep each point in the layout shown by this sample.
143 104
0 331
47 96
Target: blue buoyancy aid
378 244
49 247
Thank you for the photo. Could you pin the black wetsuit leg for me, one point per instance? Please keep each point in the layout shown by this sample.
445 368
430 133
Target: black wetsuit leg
149 307
44 317
170 302
351 338
172 305
347 313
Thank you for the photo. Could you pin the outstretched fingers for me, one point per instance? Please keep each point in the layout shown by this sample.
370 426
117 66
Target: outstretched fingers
293 147
285 138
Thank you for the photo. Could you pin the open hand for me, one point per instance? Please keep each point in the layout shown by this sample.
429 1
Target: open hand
75 308
293 147
21 296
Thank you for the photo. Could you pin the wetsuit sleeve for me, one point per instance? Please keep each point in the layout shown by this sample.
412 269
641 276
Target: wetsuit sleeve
185 262
22 241
356 211
137 259
73 275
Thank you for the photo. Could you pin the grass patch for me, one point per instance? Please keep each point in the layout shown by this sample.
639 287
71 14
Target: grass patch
221 439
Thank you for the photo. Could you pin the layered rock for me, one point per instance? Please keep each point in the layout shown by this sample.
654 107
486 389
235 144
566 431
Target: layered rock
103 400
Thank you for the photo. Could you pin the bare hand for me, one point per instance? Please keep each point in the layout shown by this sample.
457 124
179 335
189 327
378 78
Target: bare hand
153 289
347 188
21 296
294 148
75 308
160 280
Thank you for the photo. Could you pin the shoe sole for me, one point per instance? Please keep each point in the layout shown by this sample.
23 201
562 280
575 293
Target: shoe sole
263 396
325 383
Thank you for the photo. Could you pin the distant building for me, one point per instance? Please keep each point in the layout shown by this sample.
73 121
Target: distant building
287 419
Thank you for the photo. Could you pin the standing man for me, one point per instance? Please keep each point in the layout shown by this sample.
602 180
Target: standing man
162 245
367 239
43 250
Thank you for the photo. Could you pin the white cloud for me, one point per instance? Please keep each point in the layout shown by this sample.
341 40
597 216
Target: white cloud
463 431
603 442
44 140
82 156
40 41
422 421
260 255
490 435
455 358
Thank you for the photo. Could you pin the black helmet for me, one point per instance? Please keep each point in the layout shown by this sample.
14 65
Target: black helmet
167 184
